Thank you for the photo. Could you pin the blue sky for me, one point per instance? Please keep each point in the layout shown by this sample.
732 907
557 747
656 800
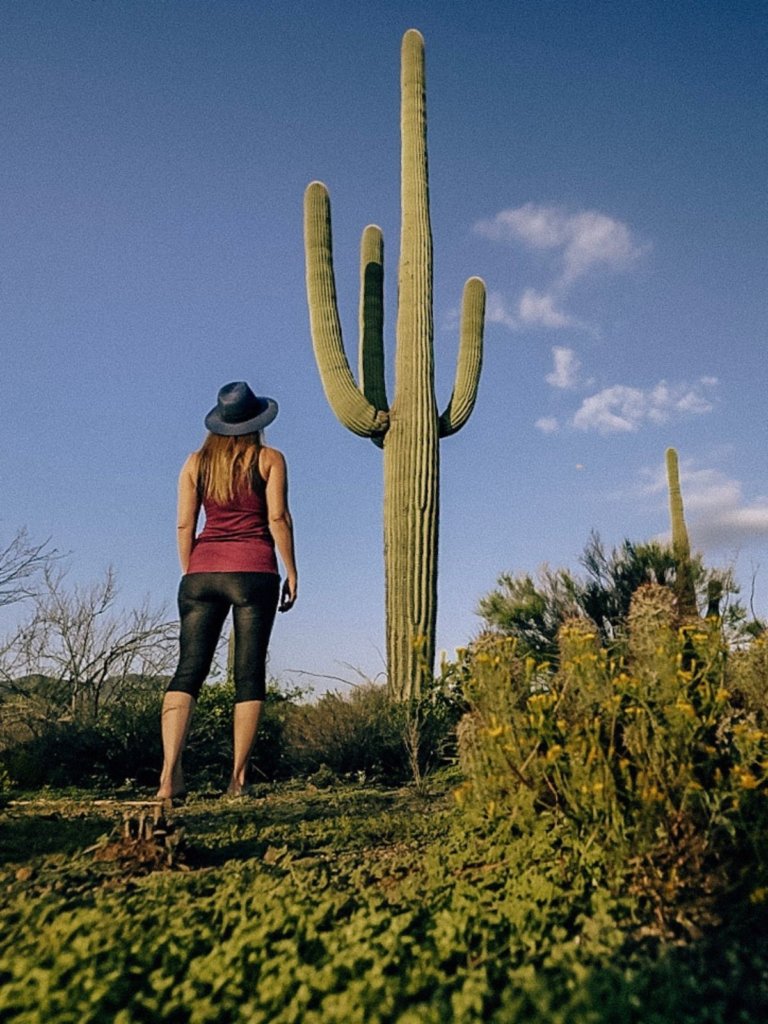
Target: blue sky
602 165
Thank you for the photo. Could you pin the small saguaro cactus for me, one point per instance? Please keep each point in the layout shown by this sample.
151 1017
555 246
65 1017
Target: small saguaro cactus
409 428
681 548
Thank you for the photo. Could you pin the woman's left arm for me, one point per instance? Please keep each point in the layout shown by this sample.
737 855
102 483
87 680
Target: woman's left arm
281 523
188 510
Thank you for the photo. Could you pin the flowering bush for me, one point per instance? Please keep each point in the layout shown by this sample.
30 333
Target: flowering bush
657 753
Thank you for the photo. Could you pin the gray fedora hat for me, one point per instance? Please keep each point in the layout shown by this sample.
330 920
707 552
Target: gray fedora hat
239 411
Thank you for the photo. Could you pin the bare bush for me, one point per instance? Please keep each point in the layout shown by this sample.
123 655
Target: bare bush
76 652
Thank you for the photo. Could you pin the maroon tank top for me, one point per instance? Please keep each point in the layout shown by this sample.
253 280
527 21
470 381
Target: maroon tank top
236 536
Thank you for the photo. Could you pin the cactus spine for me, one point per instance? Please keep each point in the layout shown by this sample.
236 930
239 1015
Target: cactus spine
681 548
410 429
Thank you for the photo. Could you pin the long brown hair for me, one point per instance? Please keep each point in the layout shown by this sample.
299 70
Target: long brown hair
228 466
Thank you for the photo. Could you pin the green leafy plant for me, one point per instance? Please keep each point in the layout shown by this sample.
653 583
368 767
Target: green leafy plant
350 906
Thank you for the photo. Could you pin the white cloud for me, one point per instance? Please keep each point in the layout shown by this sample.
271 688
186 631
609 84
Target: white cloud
547 425
618 409
622 409
496 312
538 308
585 240
533 309
596 239
566 372
717 513
540 226
579 243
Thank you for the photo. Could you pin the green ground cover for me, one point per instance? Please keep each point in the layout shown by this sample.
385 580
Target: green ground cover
352 903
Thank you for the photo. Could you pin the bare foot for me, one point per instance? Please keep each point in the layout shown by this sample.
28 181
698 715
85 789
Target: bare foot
173 789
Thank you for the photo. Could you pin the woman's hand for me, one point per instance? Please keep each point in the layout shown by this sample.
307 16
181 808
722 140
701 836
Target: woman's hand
289 594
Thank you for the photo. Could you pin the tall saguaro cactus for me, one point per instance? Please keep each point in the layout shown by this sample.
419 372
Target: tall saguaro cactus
410 428
681 548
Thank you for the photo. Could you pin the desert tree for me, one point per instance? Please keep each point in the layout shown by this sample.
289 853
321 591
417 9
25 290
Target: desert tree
22 561
533 609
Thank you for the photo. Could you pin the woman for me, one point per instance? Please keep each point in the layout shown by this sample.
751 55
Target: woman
242 486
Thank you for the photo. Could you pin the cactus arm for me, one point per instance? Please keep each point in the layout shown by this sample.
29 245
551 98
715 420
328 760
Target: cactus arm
470 359
371 357
351 407
371 353
681 548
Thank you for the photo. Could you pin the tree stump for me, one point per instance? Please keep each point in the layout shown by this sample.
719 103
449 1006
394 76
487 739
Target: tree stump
147 836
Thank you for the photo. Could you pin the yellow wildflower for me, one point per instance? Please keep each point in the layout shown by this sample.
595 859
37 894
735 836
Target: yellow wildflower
686 707
460 793
747 780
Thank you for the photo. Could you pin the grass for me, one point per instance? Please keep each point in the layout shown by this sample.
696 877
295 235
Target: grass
353 904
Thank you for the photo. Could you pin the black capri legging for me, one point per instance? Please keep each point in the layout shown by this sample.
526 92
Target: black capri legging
204 600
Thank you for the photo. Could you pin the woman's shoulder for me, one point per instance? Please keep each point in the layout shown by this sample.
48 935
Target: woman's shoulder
270 456
191 464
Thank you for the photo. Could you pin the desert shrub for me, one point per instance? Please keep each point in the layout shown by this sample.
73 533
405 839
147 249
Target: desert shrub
208 757
348 733
649 755
365 732
533 610
124 743
6 786
748 677
429 724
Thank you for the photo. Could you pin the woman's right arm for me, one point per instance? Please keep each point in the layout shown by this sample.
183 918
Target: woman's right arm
281 524
188 510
